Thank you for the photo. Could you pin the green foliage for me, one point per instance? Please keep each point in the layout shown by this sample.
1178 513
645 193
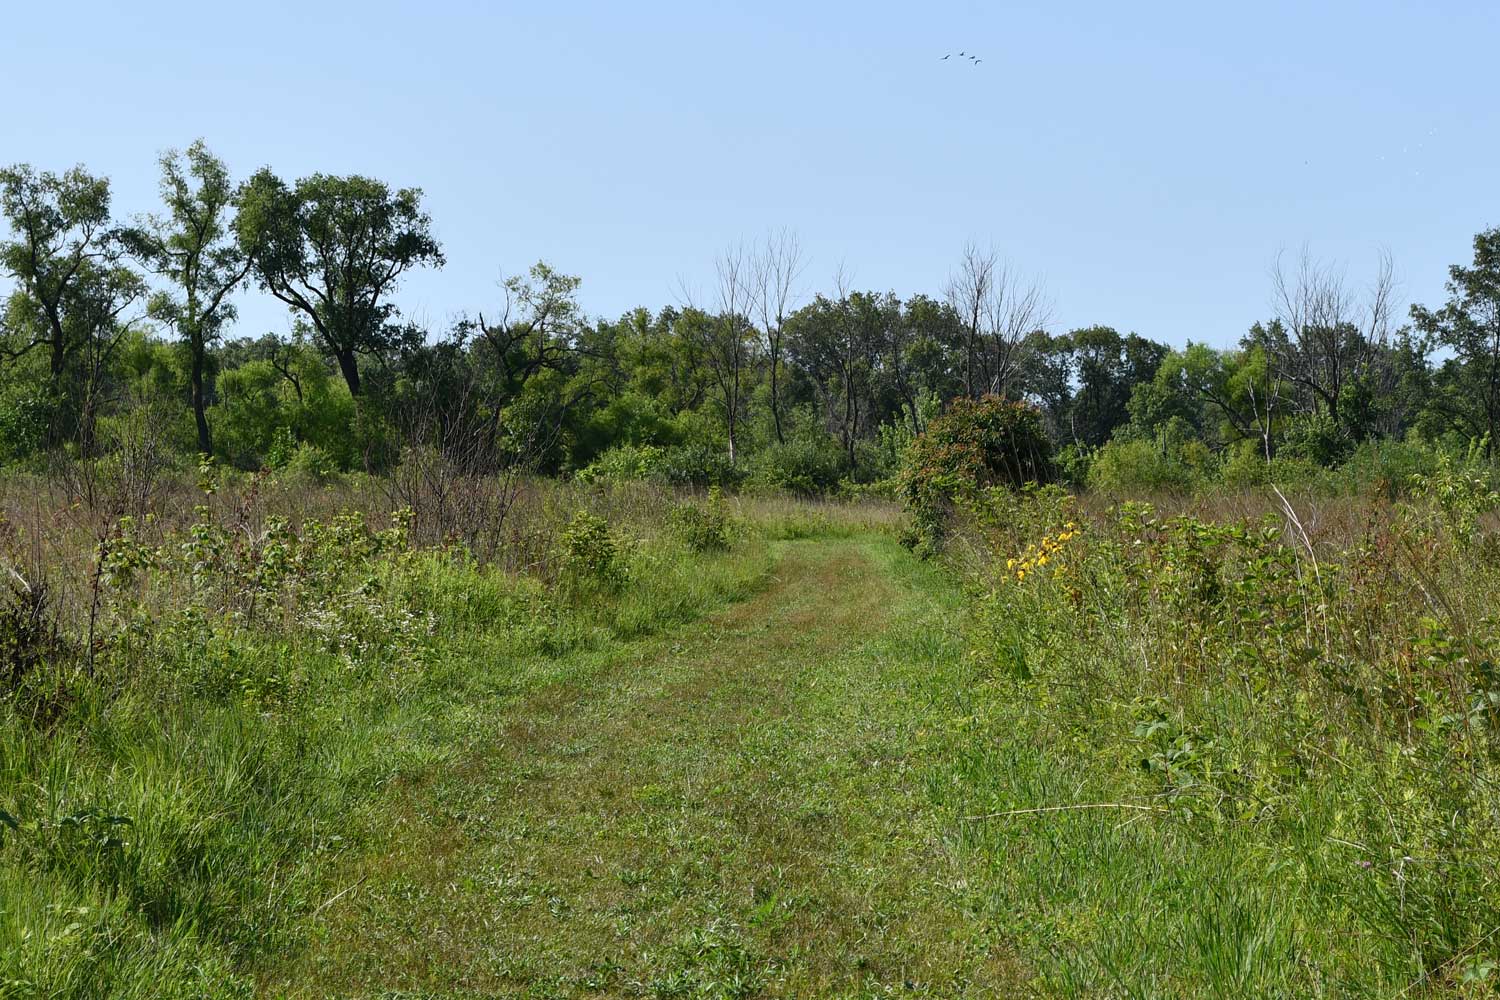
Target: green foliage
703 527
1315 729
1469 326
625 463
976 444
310 461
25 415
591 557
1461 493
332 249
1121 468
699 466
805 466
29 636
173 816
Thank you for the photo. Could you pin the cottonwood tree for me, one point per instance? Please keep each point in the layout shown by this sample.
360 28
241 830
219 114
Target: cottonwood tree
923 361
999 310
193 247
1469 326
840 342
333 249
536 329
776 269
72 288
1329 333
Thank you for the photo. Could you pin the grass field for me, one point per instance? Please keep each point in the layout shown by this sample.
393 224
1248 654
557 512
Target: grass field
1167 760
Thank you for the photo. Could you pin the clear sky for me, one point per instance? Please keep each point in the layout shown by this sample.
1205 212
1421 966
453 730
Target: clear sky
1146 160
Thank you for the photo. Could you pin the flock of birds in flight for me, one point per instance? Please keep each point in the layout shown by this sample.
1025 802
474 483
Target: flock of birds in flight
973 60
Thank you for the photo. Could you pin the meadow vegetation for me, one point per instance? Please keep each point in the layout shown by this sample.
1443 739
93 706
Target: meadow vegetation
1237 745
202 710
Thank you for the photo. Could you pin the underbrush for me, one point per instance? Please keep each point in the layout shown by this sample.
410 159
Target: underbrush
1235 756
198 714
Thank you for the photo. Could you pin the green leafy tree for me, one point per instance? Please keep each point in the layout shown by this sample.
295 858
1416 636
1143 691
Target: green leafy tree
333 249
1469 326
73 288
193 247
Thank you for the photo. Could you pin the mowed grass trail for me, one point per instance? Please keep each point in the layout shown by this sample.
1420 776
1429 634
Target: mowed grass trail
736 807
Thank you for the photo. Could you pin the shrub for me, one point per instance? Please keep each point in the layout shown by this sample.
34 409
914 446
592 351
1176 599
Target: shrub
1386 467
311 462
807 467
1122 467
1073 464
590 554
705 527
1318 439
29 637
699 466
978 443
624 463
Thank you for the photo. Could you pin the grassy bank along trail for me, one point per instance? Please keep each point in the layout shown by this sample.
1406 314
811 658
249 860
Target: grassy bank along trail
733 808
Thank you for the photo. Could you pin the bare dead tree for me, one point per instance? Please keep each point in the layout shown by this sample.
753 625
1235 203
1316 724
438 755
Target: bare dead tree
724 338
1333 333
776 269
999 309
969 291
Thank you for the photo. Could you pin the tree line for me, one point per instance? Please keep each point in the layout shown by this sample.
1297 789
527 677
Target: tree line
118 327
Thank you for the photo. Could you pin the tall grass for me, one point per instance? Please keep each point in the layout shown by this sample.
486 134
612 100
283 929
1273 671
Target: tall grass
1235 752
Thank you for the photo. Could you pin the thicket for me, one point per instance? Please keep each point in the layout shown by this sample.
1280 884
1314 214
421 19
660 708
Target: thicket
975 446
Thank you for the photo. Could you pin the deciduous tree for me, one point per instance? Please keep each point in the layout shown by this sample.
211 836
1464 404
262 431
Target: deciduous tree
334 249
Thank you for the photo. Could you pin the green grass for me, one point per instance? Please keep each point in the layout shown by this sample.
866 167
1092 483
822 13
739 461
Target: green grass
730 810
1174 761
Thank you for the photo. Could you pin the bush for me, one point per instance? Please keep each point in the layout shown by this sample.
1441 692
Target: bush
1318 439
699 466
704 527
311 462
25 415
590 555
1073 464
623 464
1387 468
807 467
1143 466
978 443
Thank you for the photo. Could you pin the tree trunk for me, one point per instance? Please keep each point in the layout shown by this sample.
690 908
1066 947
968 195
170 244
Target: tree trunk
205 439
775 391
349 366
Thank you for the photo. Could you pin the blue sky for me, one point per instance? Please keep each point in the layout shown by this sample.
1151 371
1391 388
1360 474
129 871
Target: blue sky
1146 161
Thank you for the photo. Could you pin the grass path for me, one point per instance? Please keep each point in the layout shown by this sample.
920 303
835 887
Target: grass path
734 808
